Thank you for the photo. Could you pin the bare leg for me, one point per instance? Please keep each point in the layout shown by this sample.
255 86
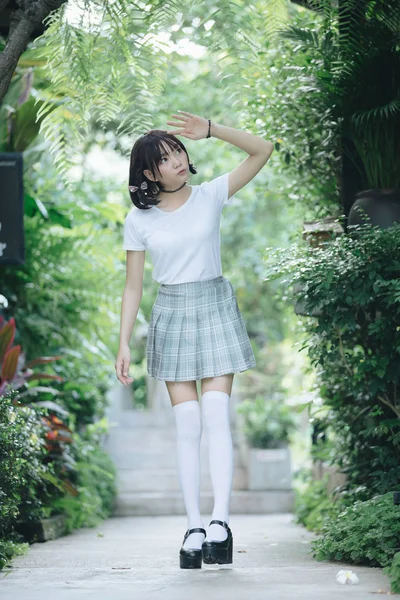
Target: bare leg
181 391
223 383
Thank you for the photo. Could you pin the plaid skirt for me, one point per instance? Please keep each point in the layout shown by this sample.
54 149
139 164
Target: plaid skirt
196 330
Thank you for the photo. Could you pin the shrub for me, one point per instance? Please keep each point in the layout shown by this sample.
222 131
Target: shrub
354 344
9 549
268 421
27 483
94 479
314 506
393 572
366 533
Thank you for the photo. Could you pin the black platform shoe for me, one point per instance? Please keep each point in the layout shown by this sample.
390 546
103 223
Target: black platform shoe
218 552
190 558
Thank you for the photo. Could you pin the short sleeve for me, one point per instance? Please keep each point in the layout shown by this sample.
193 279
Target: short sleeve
221 185
132 239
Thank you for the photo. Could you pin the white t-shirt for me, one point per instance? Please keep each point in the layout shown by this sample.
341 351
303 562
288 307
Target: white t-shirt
184 244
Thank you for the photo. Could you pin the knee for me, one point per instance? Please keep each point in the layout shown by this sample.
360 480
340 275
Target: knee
188 419
215 410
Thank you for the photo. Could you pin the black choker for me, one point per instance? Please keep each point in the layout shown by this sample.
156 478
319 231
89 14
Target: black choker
172 191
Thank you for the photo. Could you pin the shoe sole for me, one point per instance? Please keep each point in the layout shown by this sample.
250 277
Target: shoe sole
213 555
190 562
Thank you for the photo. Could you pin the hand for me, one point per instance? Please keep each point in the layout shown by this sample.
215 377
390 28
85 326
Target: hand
122 366
191 126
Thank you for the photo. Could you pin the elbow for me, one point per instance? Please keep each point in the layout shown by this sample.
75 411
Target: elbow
269 148
267 151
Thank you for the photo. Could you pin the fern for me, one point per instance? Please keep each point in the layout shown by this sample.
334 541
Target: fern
110 67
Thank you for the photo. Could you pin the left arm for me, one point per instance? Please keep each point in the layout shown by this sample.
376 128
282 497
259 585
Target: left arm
195 128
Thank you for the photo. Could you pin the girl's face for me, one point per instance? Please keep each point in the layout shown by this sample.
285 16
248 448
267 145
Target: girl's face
173 168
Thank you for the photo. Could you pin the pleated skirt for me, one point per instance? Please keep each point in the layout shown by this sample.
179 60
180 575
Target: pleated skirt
196 330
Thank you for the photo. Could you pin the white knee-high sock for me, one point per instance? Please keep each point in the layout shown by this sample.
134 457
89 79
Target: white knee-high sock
215 413
188 430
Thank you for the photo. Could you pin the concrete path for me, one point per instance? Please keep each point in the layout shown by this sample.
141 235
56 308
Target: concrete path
136 558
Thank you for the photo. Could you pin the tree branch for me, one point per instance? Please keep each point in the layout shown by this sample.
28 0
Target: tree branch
23 22
390 405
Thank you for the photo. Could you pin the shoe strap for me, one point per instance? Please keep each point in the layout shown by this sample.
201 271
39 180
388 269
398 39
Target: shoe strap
195 530
223 523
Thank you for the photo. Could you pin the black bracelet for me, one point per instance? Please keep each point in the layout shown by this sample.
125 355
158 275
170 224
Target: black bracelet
209 128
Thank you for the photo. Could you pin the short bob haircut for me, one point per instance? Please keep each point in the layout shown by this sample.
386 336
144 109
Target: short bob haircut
146 154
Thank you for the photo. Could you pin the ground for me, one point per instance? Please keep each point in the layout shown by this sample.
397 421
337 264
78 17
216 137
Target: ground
136 558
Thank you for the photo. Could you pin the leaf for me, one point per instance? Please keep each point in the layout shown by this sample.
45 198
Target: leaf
52 406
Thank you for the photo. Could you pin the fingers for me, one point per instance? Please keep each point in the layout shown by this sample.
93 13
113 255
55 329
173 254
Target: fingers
176 132
180 117
185 113
122 372
175 124
118 369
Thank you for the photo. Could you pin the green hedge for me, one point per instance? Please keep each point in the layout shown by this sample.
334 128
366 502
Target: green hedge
352 284
36 485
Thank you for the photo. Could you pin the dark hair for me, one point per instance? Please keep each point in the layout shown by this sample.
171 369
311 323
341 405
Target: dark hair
146 154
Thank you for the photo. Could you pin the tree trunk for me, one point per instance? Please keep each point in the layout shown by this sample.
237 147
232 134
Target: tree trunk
23 22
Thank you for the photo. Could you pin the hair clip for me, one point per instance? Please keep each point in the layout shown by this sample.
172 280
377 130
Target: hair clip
132 188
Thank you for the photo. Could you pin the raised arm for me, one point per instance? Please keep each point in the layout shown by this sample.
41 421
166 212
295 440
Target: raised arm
259 151
194 127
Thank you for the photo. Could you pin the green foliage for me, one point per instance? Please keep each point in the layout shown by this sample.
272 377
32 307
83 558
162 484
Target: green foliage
19 122
54 295
82 395
366 533
354 79
9 549
94 478
393 572
85 83
31 482
27 481
286 103
63 296
268 422
354 345
314 506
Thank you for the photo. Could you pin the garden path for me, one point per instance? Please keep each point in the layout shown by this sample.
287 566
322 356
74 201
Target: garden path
136 558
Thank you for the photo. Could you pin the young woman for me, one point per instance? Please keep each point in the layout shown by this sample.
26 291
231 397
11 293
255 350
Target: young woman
196 330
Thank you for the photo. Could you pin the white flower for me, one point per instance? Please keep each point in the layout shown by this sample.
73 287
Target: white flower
3 300
349 577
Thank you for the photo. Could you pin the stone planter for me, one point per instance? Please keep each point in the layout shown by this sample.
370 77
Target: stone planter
269 469
43 530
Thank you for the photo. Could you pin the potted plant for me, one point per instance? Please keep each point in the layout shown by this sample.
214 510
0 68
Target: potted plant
267 425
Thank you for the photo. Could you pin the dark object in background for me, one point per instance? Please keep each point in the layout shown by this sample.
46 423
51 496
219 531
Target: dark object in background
12 246
318 432
381 206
